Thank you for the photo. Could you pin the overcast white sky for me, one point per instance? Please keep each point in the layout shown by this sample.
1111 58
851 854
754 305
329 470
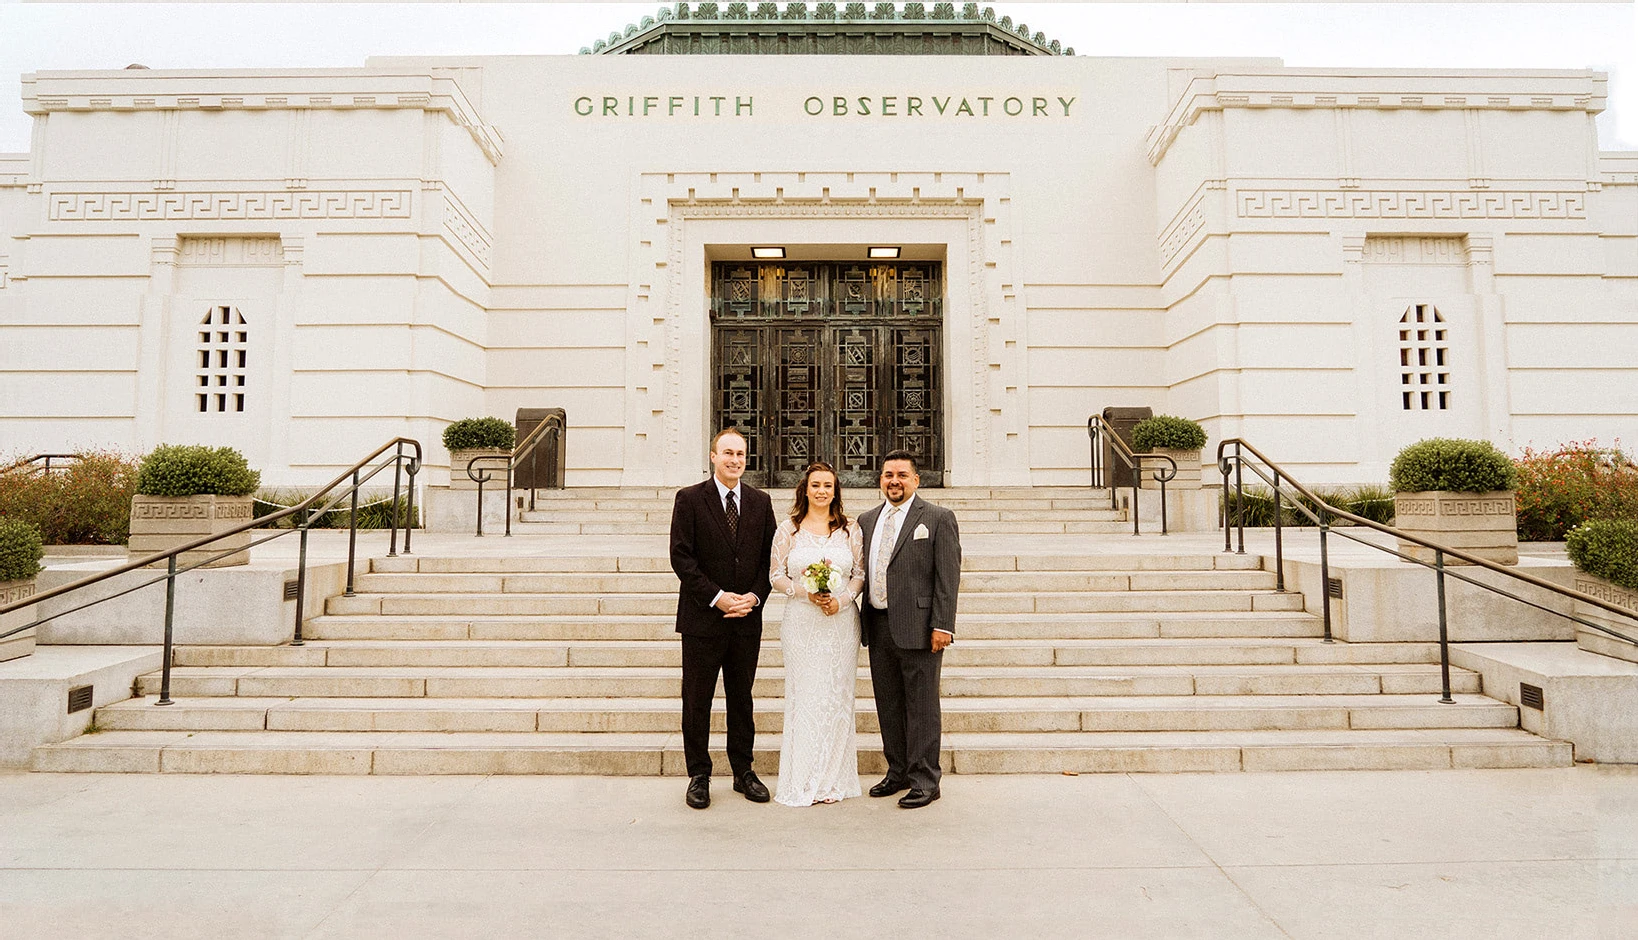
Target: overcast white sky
37 36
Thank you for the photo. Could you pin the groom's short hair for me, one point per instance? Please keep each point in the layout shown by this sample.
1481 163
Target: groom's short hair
724 433
904 455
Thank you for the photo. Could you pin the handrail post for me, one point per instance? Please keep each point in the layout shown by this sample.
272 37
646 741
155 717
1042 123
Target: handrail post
508 498
1279 553
397 471
352 536
170 619
409 503
1325 575
1137 481
301 582
1239 500
1222 466
1163 530
482 476
1444 633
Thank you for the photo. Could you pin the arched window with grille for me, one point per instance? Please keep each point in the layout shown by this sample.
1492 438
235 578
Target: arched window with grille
1424 359
224 340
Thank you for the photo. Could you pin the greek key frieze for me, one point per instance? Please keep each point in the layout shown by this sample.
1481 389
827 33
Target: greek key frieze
1608 593
166 206
16 592
1476 507
1413 204
170 511
234 510
1414 507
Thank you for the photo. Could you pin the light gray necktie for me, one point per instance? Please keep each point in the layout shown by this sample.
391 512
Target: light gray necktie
884 554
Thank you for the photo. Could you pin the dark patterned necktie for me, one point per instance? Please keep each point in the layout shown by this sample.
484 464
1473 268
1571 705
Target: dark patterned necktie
733 517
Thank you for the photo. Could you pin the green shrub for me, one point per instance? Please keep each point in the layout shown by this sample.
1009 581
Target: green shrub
1168 431
1606 548
20 550
1456 466
87 502
1558 490
1370 501
190 470
480 434
374 510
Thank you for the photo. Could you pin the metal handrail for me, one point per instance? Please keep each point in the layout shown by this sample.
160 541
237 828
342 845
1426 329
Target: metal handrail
29 461
551 424
1096 428
1276 474
399 461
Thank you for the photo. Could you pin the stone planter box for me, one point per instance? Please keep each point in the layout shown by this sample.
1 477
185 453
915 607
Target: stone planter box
17 645
458 460
1593 641
162 522
1482 524
1188 470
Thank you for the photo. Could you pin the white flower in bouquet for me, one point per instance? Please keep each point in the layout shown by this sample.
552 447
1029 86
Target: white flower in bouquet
819 577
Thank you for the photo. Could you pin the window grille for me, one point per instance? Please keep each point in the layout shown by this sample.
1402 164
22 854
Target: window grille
224 341
1424 359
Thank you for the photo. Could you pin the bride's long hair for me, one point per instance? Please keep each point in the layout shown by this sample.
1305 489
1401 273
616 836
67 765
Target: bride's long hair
799 509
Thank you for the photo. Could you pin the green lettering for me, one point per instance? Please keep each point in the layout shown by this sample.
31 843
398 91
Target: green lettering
965 107
1038 106
986 105
864 105
718 100
889 106
838 106
672 104
1007 106
940 105
577 104
912 105
1066 104
611 105
814 106
650 103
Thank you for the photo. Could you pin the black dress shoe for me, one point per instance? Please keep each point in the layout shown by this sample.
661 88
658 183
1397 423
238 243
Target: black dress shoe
699 791
888 787
917 798
748 784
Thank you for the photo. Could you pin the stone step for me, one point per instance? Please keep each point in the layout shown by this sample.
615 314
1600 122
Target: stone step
972 582
633 715
667 652
857 495
663 682
853 502
388 752
640 563
627 604
1177 624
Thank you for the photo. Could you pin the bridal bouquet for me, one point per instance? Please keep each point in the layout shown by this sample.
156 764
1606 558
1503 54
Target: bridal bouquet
818 577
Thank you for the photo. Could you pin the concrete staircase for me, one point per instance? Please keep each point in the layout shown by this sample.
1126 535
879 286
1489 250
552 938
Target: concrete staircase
566 663
980 510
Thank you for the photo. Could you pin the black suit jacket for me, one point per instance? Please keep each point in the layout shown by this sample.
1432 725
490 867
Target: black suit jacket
923 576
706 561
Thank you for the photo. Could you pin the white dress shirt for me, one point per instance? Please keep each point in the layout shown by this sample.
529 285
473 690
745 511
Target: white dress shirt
739 503
903 513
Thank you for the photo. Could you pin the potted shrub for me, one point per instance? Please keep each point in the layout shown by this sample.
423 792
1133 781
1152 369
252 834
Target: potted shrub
471 438
20 553
1605 553
185 492
1177 438
1457 493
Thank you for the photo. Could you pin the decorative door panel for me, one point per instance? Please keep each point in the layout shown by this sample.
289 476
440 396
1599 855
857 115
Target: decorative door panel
829 361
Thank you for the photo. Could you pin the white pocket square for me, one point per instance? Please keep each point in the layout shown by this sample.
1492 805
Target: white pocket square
921 533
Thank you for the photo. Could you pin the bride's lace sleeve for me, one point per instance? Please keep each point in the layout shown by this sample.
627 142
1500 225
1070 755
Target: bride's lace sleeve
783 539
856 577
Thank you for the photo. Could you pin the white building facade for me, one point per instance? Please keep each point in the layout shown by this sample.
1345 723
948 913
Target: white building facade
1329 263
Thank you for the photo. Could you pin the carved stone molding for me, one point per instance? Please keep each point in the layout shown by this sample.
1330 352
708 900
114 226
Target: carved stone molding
263 250
465 228
224 206
1410 249
1182 229
1414 204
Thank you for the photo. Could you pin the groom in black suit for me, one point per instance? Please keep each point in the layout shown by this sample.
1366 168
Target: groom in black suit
912 571
722 535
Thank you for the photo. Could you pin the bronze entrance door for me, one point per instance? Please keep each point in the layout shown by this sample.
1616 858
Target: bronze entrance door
829 361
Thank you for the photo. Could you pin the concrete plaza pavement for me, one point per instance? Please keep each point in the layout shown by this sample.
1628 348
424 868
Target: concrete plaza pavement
1474 853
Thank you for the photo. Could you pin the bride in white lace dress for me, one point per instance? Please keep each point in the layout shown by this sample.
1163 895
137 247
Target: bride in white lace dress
818 757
